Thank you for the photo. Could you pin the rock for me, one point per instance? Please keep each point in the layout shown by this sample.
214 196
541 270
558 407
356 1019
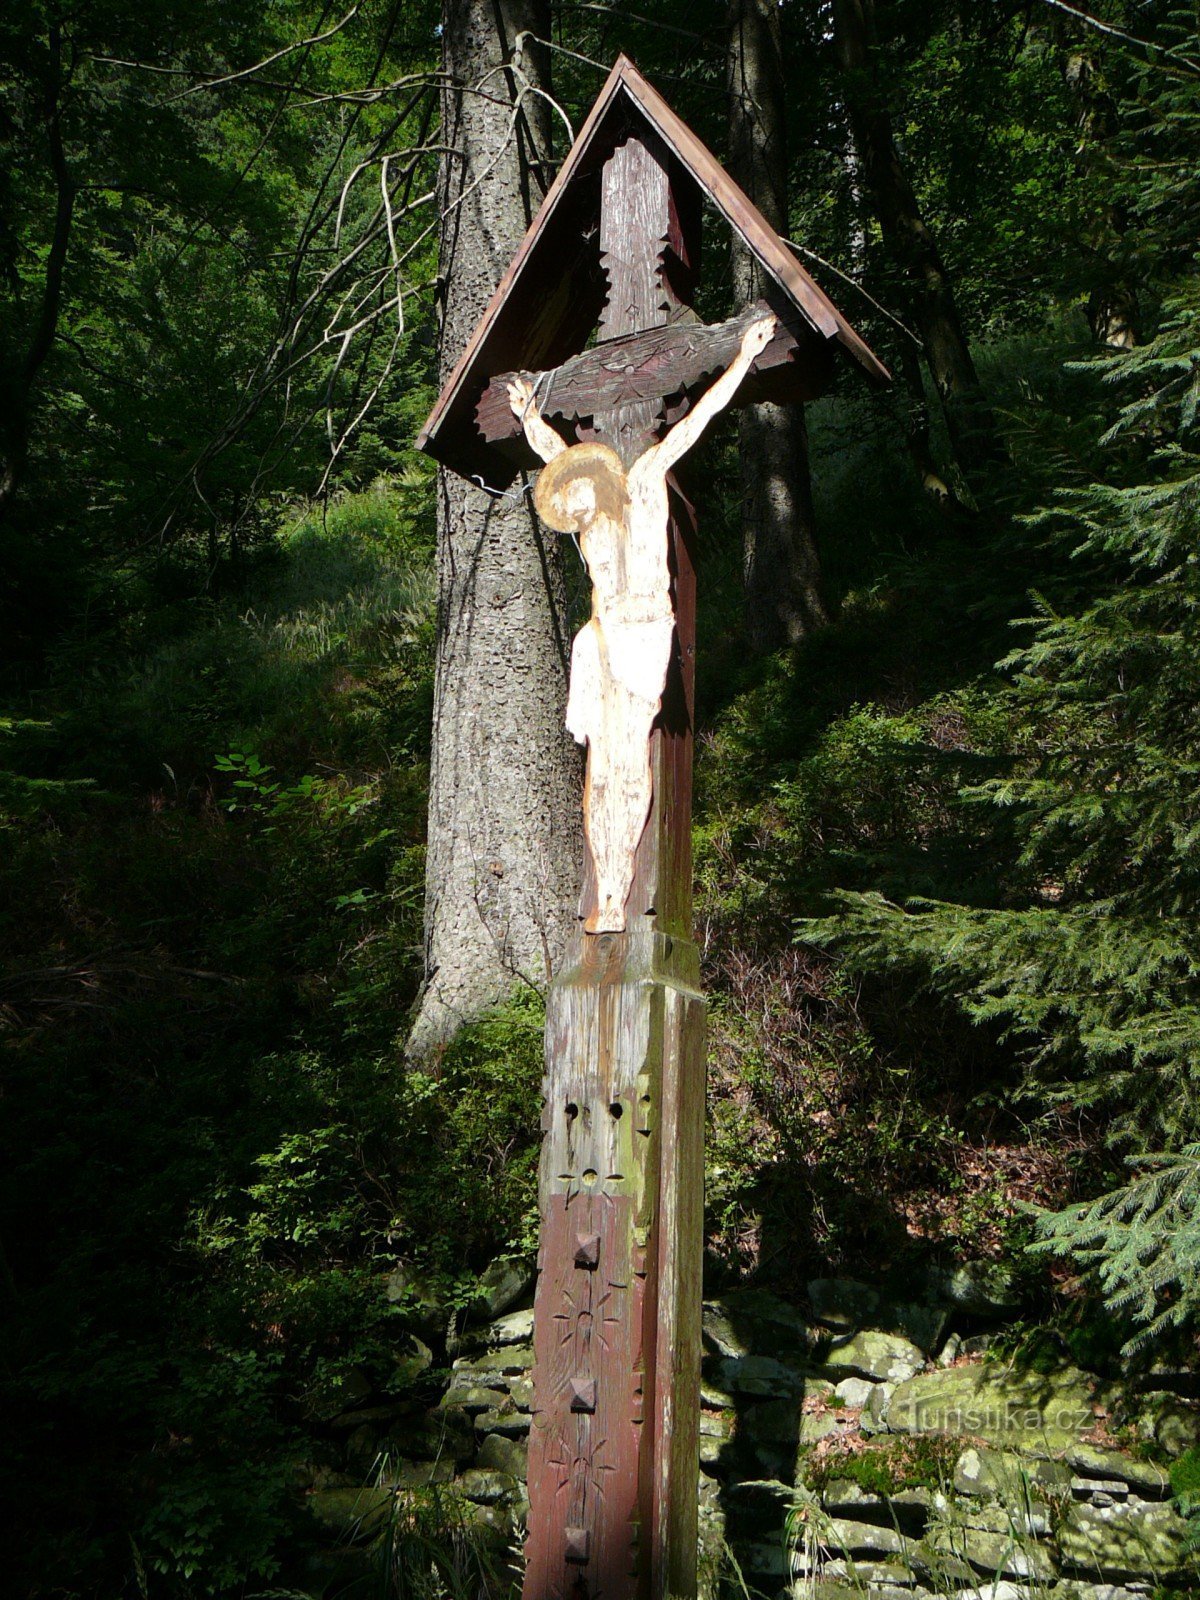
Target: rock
1009 1478
514 1359
368 1416
715 1398
881 1357
879 1578
848 1306
873 1418
950 1351
473 1396
771 1422
412 1361
1000 1589
864 1541
1149 1481
486 1487
982 1288
765 1559
498 1453
1176 1426
413 1292
521 1393
816 1425
843 1302
352 1513
854 1392
1071 1589
444 1432
1036 1413
492 1525
760 1375
1120 1543
338 1393
505 1419
1014 1518
715 1425
514 1328
362 1447
1100 1491
719 1333
417 1474
908 1509
995 1554
767 1320
499 1287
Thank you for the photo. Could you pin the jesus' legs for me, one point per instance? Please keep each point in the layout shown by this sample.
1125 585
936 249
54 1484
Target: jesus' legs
617 801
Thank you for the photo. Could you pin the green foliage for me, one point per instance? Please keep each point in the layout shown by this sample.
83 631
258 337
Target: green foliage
1143 1239
1084 956
889 1466
431 1550
474 1192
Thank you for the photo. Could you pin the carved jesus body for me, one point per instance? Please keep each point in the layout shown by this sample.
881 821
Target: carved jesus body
620 657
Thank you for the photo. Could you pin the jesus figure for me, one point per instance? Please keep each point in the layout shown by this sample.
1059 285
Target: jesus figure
620 656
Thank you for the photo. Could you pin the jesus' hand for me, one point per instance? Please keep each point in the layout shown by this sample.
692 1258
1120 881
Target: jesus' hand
520 398
758 336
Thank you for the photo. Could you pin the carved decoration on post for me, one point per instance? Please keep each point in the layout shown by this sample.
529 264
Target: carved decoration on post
613 1449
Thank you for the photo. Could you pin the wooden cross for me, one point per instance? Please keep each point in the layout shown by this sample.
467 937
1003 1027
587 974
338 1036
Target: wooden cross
613 1452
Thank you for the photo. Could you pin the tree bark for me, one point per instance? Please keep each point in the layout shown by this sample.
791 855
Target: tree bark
504 851
780 567
911 243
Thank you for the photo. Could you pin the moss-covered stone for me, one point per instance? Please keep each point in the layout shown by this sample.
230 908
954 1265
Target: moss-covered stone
504 1419
864 1541
501 1454
418 1474
486 1487
499 1287
473 1396
881 1357
352 1513
992 1553
1007 1476
1149 1481
444 1433
761 1376
509 1359
906 1509
1036 1413
1135 1541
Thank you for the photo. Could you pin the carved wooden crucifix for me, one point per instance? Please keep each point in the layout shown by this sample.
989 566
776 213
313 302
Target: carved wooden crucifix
613 1452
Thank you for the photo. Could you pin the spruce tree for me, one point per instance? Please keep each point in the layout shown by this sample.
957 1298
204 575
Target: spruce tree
1089 959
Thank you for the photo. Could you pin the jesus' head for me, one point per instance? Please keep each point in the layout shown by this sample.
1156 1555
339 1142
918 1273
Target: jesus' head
585 482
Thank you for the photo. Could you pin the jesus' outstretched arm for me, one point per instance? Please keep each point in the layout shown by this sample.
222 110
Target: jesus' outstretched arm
663 456
538 431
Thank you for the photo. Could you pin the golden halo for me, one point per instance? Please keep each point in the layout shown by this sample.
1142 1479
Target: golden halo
592 460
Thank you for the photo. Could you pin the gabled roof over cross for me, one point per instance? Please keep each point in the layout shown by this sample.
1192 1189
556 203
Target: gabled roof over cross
552 295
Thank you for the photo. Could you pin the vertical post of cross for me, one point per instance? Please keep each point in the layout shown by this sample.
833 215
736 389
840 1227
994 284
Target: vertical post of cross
614 1442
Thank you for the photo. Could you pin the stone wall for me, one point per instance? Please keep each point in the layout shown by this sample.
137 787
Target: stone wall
860 1445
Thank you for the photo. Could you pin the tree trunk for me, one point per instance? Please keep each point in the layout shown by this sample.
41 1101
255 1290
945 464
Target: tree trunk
910 242
780 567
503 868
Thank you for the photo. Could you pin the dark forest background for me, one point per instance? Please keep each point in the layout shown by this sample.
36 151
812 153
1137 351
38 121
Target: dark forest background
948 842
